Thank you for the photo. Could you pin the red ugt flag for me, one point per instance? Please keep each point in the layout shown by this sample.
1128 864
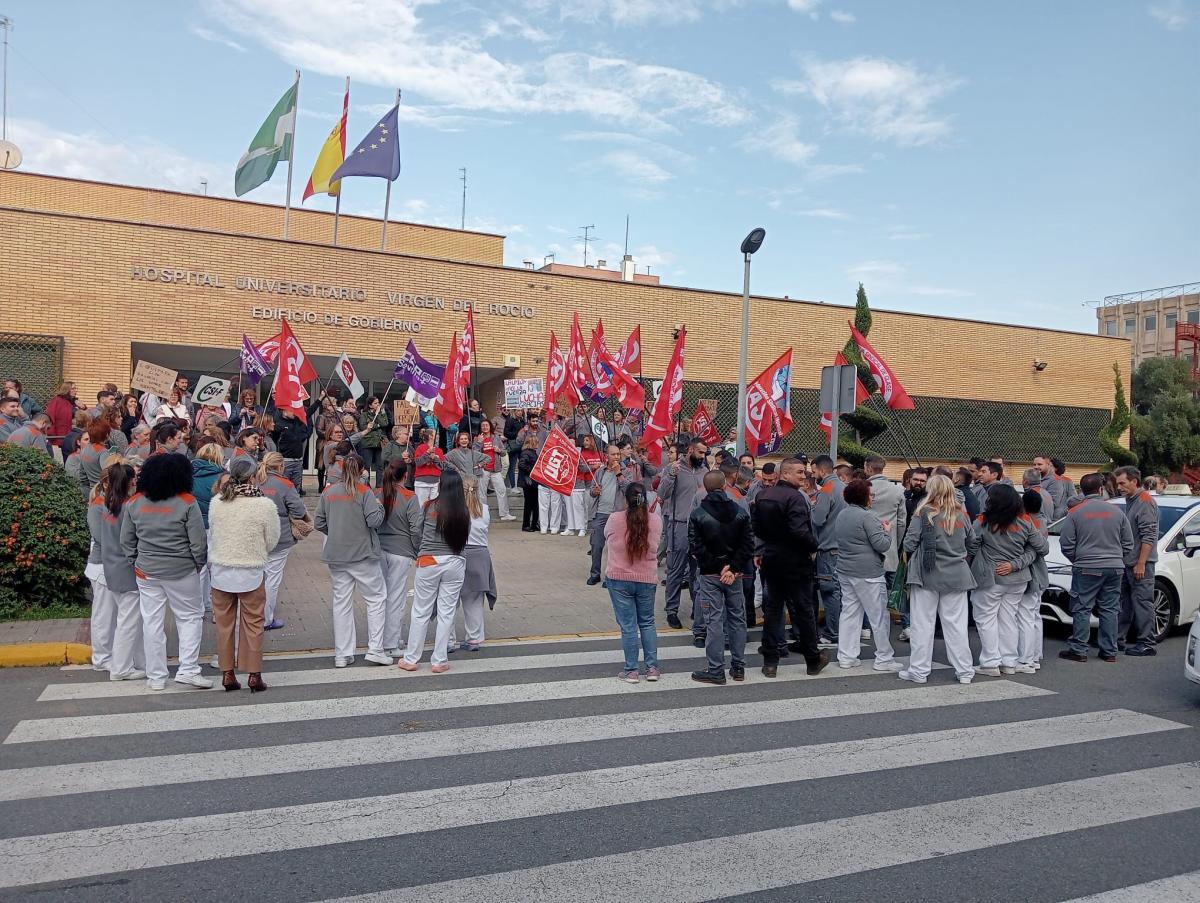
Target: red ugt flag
556 375
451 397
703 426
557 464
630 393
629 357
579 374
768 406
598 356
270 350
670 399
889 387
293 372
860 395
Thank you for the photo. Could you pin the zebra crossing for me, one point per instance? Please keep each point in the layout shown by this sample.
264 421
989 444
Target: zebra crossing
531 774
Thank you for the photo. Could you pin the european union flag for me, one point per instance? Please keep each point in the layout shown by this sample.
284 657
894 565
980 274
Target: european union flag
376 155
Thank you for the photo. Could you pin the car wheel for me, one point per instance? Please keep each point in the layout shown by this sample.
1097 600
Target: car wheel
1166 610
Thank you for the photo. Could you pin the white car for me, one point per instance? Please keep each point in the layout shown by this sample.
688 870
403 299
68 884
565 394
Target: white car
1176 576
1190 670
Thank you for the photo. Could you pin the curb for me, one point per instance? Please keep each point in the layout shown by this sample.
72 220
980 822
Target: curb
40 655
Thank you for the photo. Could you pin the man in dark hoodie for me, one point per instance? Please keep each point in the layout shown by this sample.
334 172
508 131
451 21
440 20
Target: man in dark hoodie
722 544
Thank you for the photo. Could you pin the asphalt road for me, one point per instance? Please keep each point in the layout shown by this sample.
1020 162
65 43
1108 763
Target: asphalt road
528 773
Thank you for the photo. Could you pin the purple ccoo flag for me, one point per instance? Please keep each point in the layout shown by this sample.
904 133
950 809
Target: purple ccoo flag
421 376
254 365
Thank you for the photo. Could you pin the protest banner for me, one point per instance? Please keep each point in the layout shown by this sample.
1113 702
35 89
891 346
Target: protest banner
558 463
150 377
524 393
211 390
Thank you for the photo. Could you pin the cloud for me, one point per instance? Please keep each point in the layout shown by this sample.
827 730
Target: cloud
842 17
807 7
910 236
206 34
636 168
887 100
881 270
823 213
509 26
780 140
388 44
628 12
645 146
442 119
136 161
1173 15
889 276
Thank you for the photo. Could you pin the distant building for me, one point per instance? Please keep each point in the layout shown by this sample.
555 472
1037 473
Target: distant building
1148 319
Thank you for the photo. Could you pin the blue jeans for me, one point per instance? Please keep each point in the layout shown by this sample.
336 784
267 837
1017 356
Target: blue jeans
1098 588
293 469
830 592
633 605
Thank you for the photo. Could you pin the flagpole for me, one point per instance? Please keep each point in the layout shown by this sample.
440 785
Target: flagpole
337 209
387 197
894 422
474 383
287 204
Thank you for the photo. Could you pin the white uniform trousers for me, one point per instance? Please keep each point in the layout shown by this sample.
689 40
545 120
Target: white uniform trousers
496 481
996 622
396 569
104 617
869 595
925 606
273 578
128 652
366 574
437 586
472 612
425 492
1029 627
576 506
206 589
183 596
550 509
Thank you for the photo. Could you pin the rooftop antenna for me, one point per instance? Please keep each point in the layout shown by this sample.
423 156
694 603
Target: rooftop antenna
549 258
587 240
463 178
6 23
626 234
204 186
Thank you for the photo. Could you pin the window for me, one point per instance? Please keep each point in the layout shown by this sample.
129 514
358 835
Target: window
1193 316
1191 528
1150 324
1110 327
1170 320
1130 326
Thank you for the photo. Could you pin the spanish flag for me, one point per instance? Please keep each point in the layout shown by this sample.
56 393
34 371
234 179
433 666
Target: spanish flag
333 152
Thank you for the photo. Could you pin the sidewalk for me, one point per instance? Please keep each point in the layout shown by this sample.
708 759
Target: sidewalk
540 580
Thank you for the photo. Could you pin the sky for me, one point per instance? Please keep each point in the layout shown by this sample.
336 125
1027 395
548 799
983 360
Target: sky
1011 162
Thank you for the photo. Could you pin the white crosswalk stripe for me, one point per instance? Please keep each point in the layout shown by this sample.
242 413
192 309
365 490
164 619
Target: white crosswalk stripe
103 792
24 860
150 771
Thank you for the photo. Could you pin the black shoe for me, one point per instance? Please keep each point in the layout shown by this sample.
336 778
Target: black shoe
604 584
699 642
770 670
751 624
1141 650
795 646
1120 647
592 581
1072 656
709 677
664 583
738 674
1111 659
673 621
821 665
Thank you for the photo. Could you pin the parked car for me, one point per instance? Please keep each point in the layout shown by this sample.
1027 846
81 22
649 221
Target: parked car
1176 576
1190 670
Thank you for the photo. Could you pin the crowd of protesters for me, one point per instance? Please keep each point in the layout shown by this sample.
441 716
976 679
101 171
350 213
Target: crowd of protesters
197 507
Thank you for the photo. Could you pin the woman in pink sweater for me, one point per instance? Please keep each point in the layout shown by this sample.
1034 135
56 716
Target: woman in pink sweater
632 538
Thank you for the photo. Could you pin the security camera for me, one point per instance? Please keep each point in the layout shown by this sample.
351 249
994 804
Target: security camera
1039 365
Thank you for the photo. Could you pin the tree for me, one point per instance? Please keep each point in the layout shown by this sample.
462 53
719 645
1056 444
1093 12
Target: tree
866 422
1166 429
1110 436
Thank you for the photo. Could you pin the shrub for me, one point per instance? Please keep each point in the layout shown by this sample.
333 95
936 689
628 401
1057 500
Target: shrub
43 534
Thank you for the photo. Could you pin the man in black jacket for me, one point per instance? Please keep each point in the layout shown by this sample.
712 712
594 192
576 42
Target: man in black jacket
291 435
787 544
720 540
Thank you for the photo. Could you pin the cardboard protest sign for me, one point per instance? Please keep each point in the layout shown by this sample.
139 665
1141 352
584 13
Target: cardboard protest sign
211 390
521 394
150 377
404 413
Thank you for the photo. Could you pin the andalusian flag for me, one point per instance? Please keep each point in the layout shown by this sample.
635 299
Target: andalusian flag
333 152
272 144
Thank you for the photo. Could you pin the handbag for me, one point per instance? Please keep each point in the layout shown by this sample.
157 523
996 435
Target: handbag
301 527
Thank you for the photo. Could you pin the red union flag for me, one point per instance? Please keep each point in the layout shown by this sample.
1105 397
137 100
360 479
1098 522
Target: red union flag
557 464
768 407
670 399
579 374
289 378
889 387
630 393
451 397
270 350
703 426
556 376
860 395
629 357
598 356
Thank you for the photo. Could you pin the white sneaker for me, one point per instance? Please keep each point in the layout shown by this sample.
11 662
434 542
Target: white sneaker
194 680
1024 669
215 663
1036 666
848 665
99 667
509 517
825 643
866 636
903 636
987 672
565 532
910 677
964 679
583 532
544 532
379 658
340 662
158 684
1008 669
891 665
395 653
135 674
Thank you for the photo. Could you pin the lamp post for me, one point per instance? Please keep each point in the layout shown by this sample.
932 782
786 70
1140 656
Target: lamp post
750 244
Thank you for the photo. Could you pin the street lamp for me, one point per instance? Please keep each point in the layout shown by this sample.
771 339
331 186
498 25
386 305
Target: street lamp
750 244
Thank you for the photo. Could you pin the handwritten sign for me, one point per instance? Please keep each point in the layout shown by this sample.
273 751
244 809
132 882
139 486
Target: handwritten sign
152 378
404 413
524 393
211 390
